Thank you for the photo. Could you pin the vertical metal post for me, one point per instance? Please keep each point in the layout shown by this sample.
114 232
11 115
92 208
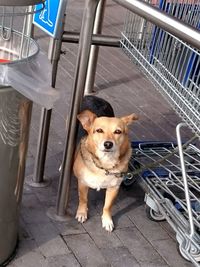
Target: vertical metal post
37 180
184 175
38 173
77 94
89 84
29 24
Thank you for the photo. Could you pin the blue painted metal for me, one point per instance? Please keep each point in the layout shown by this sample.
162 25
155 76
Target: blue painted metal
51 17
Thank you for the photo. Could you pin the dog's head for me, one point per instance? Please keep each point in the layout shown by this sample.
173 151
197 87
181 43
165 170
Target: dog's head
106 135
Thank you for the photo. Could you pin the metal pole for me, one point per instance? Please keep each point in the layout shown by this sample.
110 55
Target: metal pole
97 39
38 174
167 22
37 180
29 25
89 84
54 56
77 94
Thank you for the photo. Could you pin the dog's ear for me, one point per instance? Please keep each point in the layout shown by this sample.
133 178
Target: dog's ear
129 119
86 118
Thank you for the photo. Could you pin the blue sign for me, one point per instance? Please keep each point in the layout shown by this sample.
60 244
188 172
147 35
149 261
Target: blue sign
51 17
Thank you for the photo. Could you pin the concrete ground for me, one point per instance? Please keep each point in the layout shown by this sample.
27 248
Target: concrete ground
136 241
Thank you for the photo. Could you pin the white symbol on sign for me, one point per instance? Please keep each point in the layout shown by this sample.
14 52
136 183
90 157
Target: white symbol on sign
45 14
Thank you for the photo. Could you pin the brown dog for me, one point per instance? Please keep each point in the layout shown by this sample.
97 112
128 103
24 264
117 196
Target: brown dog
101 159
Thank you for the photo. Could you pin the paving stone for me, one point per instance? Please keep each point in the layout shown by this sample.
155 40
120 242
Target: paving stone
53 247
47 200
168 250
119 257
63 261
165 225
30 201
11 264
85 250
47 195
121 220
30 259
149 264
102 238
34 215
24 233
70 228
127 204
150 229
140 248
48 239
41 231
25 246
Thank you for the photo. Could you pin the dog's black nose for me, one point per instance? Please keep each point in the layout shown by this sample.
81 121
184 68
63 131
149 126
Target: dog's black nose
108 144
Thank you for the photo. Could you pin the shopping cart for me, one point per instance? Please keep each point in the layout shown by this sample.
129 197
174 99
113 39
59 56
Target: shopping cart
170 172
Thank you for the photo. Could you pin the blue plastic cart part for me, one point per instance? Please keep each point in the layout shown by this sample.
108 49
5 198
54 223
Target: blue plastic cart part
152 145
195 206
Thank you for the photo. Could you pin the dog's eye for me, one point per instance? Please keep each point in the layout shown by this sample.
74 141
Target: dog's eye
99 130
117 131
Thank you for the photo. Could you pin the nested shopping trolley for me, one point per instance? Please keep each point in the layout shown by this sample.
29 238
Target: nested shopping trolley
170 171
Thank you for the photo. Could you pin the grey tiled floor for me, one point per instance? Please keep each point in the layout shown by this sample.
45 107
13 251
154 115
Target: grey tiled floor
136 241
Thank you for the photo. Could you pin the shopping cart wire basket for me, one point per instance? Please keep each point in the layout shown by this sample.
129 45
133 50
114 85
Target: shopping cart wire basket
172 65
169 174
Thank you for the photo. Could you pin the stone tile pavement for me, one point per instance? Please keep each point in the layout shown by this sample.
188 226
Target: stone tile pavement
136 241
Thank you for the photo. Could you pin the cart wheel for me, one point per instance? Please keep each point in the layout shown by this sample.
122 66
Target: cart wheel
153 215
182 253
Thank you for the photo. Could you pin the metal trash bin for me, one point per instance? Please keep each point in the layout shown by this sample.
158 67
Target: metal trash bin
18 63
15 114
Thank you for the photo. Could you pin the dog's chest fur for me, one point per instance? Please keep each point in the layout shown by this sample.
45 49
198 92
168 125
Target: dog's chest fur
93 175
98 180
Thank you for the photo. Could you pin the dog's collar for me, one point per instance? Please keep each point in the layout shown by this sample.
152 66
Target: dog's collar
107 171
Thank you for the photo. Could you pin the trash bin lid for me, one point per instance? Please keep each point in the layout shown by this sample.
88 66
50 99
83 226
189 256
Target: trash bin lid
20 2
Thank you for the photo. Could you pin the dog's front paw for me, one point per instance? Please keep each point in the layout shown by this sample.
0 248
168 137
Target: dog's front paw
81 216
107 223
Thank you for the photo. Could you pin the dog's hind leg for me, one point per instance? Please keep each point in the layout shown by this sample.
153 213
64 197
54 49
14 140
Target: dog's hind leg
81 214
107 223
